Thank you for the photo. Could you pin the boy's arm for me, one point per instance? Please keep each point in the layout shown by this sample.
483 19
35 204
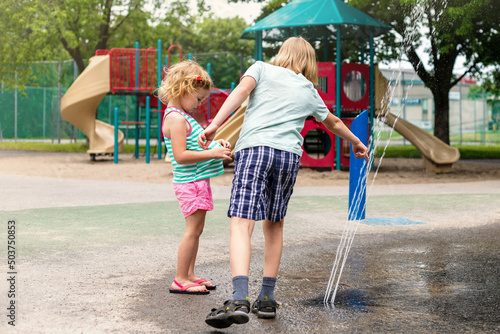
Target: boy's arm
337 127
233 101
177 125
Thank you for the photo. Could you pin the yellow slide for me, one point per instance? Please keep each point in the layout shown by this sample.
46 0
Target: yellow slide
437 155
79 106
230 130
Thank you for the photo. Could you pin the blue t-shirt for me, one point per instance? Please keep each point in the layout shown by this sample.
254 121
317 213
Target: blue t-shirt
277 109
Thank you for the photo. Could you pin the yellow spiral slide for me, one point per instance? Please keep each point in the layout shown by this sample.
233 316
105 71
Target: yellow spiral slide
437 155
79 106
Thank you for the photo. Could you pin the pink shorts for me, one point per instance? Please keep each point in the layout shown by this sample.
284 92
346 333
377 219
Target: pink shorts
193 196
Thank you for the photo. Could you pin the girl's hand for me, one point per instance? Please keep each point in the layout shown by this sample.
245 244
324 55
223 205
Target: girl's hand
224 143
221 153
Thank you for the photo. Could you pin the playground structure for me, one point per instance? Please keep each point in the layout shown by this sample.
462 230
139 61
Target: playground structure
120 71
347 89
438 156
116 71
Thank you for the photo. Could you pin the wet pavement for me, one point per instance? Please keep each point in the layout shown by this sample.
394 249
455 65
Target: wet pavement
444 281
101 257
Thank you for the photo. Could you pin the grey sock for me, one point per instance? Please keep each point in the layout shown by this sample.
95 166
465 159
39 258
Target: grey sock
267 289
240 288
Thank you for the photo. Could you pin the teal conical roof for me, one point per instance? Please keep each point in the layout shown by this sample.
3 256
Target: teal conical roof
314 20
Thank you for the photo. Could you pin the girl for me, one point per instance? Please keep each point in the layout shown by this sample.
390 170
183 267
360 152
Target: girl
185 87
267 155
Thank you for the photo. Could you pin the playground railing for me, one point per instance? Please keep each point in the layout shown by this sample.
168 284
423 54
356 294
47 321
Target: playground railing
131 69
207 111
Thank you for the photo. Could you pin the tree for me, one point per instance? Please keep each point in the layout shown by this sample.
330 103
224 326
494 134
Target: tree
218 40
452 28
35 30
212 40
446 30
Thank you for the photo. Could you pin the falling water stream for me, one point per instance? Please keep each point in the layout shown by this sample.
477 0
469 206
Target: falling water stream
351 226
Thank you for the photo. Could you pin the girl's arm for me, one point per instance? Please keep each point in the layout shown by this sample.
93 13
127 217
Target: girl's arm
233 101
337 127
178 132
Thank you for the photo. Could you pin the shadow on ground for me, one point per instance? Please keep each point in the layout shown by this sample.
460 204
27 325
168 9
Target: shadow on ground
412 282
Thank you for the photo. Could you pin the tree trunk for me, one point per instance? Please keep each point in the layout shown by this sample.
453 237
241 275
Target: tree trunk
442 115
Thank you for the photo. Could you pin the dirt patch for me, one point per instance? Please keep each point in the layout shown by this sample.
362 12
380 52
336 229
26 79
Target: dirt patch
387 171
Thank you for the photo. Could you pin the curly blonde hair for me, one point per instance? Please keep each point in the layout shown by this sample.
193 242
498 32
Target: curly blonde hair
298 54
183 79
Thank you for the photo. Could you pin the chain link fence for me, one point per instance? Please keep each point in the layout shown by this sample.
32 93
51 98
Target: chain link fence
32 113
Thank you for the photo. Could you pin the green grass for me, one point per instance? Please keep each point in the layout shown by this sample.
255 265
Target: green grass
49 147
466 152
409 151
489 137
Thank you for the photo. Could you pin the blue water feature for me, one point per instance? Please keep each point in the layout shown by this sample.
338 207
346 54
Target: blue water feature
390 221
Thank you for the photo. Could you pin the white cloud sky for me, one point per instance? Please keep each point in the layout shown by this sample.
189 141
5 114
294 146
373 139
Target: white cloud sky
248 11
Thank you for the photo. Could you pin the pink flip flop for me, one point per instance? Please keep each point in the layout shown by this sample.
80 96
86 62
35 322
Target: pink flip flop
184 288
202 280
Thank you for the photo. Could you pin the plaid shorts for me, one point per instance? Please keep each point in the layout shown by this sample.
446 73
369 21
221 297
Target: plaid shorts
263 183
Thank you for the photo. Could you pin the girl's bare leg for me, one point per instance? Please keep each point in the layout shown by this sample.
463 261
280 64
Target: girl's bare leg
188 249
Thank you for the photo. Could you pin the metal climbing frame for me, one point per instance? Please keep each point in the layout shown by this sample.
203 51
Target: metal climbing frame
131 70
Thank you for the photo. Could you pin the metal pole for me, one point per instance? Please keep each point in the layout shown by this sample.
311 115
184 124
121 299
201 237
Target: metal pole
258 45
15 110
110 107
75 76
148 119
126 117
362 53
43 119
475 120
325 48
59 105
209 71
484 119
137 100
115 155
460 109
136 66
158 80
337 98
403 100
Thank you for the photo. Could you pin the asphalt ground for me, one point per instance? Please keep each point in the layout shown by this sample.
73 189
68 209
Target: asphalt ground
100 257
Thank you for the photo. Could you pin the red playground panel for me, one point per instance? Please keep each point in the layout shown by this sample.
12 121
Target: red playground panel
355 94
319 146
210 107
131 70
317 152
326 78
153 101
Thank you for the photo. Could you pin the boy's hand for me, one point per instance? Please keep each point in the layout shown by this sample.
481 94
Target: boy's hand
206 137
360 151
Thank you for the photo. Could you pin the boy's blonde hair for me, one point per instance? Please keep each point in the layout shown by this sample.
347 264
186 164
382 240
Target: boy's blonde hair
183 79
298 55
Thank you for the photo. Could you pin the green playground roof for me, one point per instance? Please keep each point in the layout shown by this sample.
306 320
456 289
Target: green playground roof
315 20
